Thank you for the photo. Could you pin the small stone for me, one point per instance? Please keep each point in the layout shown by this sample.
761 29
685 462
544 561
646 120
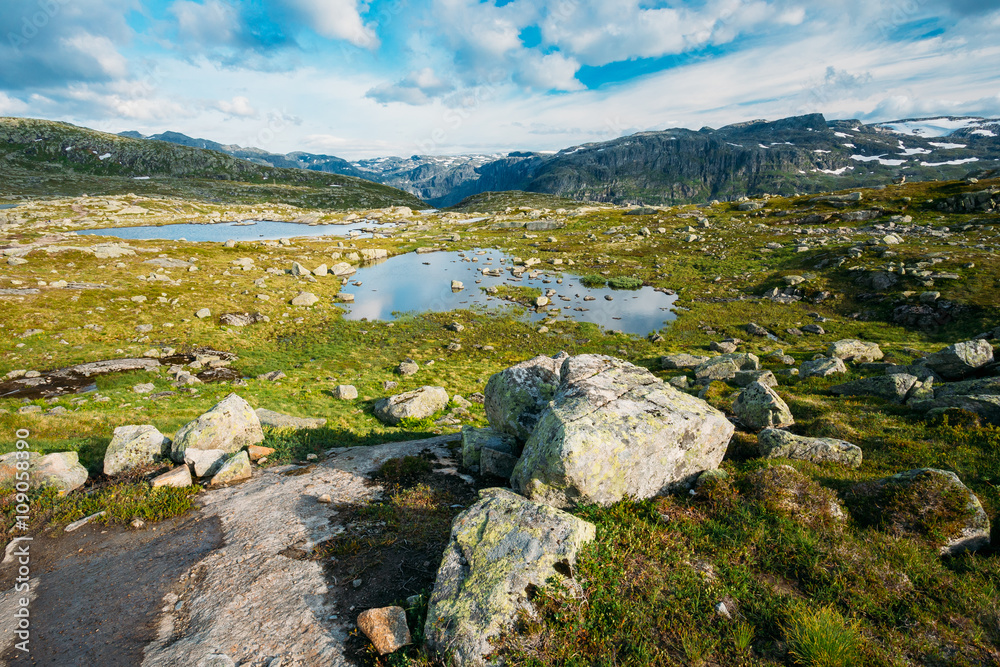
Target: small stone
325 499
179 477
386 628
203 313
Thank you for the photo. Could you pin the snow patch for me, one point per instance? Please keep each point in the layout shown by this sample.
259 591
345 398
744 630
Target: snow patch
104 157
877 158
949 146
949 162
985 133
849 145
140 178
931 127
842 135
834 172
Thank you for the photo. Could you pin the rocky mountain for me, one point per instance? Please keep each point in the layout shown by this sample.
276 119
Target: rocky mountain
798 154
51 158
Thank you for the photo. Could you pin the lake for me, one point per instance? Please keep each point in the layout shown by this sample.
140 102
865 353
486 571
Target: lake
422 282
220 232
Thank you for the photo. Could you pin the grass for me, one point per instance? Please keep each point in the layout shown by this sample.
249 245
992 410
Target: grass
822 638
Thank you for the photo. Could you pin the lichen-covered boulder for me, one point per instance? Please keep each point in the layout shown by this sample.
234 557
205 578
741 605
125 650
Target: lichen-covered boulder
822 368
979 387
205 462
230 425
13 462
927 503
502 547
615 430
895 388
726 366
61 471
517 396
858 351
987 406
759 407
744 378
961 359
235 469
497 464
417 404
133 446
475 440
775 443
681 361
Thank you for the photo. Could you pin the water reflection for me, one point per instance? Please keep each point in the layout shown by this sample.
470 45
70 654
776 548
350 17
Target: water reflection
422 282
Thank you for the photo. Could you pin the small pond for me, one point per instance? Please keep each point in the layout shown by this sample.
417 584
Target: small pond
422 282
251 230
3 206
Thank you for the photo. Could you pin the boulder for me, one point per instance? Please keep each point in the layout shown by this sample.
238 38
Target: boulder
725 347
242 319
725 366
385 628
516 397
988 386
927 503
744 378
961 359
851 349
133 446
822 368
758 407
235 469
987 406
475 440
9 465
615 430
205 462
408 367
895 388
279 420
61 471
342 269
681 361
179 477
345 392
497 464
305 299
417 404
501 549
230 425
775 443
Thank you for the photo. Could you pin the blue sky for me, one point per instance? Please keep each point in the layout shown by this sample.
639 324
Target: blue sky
398 77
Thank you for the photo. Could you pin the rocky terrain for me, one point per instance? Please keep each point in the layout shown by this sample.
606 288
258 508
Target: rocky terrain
800 469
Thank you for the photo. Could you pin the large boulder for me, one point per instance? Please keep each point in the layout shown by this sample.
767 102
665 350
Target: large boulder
614 430
758 406
858 351
417 404
476 440
517 396
822 368
961 359
895 388
987 406
775 443
230 425
987 386
681 361
13 462
61 471
726 366
133 446
927 503
279 420
502 548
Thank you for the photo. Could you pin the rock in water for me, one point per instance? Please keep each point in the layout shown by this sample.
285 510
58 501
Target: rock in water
133 446
61 471
501 548
926 502
959 360
230 425
759 407
386 628
416 404
775 443
516 397
475 440
614 430
851 349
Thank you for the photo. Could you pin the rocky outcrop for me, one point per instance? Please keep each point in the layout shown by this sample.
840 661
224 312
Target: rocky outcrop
501 549
961 359
230 425
133 446
614 430
516 397
858 351
417 404
758 406
775 443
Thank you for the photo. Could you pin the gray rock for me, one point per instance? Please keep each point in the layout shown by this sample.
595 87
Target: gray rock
989 385
299 270
272 376
814 329
961 359
679 381
775 443
501 548
917 370
144 388
235 469
345 392
279 420
725 347
475 440
242 319
9 463
407 367
497 463
179 477
681 361
822 368
516 397
744 378
61 471
417 404
133 446
759 406
305 299
756 330
851 349
230 425
203 313
895 388
615 430
725 366
987 406
205 462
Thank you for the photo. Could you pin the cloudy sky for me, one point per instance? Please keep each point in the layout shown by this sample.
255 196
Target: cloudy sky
399 77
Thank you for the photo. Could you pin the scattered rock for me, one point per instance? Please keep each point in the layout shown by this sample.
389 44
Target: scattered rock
681 361
822 368
235 469
242 319
205 462
725 347
345 392
279 420
775 443
272 376
895 388
961 359
257 452
133 446
759 407
203 313
744 378
725 366
386 628
417 404
475 440
230 425
408 367
501 549
305 299
144 388
855 350
179 477
61 471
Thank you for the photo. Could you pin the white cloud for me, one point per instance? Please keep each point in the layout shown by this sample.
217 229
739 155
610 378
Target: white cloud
10 106
210 23
100 52
336 19
418 87
238 106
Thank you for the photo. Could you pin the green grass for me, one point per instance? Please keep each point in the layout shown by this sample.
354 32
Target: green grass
822 638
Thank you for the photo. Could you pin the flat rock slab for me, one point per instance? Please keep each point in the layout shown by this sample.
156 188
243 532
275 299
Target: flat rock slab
279 420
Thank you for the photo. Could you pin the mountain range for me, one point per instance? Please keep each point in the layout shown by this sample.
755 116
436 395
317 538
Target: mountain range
797 154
